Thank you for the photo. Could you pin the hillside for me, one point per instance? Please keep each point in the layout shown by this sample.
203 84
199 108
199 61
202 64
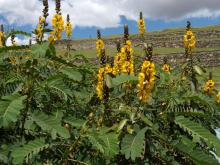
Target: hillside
168 42
207 37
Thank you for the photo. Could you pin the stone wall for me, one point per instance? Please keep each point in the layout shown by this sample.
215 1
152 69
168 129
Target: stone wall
205 39
174 58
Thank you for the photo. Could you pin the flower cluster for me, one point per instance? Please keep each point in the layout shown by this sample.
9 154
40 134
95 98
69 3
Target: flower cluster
118 61
100 84
127 59
68 27
107 69
146 80
166 68
209 86
1 38
39 30
58 27
99 46
218 97
189 39
141 25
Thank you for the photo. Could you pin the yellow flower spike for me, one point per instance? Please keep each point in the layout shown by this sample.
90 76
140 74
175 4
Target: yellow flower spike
58 27
100 77
189 40
141 25
1 38
99 46
39 30
146 79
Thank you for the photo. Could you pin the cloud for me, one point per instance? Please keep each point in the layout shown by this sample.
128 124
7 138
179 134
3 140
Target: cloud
24 40
18 41
99 13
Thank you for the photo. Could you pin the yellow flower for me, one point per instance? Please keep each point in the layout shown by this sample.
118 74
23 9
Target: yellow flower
141 77
108 68
1 38
127 68
189 40
99 86
151 68
51 39
146 79
99 46
166 68
39 30
128 42
41 20
58 27
100 77
68 29
209 86
218 97
141 26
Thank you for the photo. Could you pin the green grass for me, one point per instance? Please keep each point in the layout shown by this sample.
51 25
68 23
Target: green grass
91 53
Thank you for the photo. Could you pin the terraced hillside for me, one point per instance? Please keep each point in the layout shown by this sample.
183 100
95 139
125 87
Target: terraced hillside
172 38
166 43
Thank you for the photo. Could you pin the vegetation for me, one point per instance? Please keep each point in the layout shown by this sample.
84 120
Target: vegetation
62 109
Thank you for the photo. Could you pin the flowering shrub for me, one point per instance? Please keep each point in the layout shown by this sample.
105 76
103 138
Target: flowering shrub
57 110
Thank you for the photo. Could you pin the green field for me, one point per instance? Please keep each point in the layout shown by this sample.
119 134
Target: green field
91 53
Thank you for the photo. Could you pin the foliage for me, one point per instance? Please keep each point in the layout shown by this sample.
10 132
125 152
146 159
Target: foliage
50 113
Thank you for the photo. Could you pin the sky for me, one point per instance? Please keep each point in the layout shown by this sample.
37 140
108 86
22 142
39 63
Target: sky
110 15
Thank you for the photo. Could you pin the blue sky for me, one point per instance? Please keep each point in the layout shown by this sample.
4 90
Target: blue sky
110 15
151 24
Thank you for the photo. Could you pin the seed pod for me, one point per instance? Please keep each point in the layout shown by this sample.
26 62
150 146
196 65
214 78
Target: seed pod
141 15
126 33
118 45
58 4
98 34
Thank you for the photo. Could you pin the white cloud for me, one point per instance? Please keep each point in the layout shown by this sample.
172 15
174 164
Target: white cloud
18 41
25 40
107 13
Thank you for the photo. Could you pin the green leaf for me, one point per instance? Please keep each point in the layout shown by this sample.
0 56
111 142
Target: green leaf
133 145
51 124
198 70
56 84
75 122
106 143
108 81
72 73
10 107
19 154
122 79
146 120
122 124
198 132
3 155
39 50
187 147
